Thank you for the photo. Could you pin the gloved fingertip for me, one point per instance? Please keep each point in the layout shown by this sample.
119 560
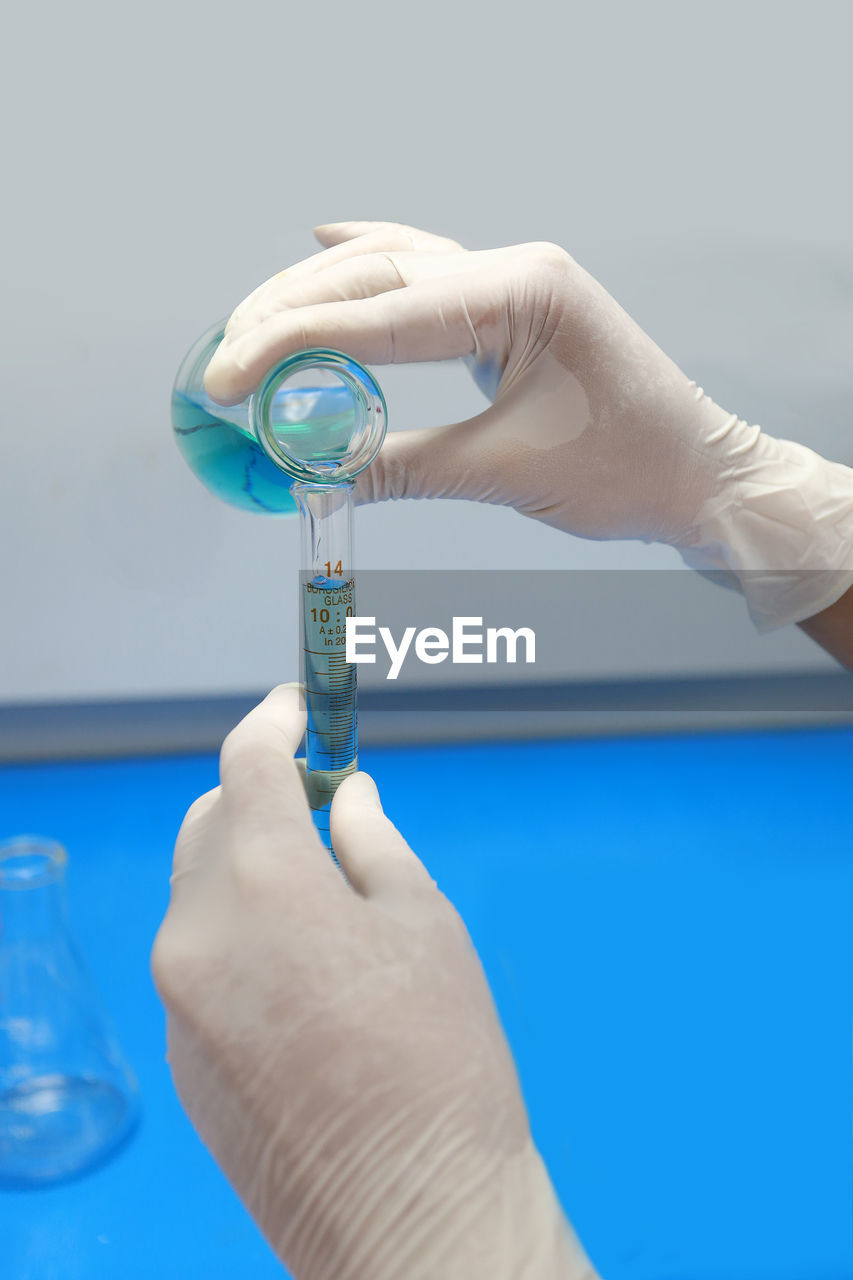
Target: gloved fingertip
332 233
325 233
219 383
366 490
289 694
360 788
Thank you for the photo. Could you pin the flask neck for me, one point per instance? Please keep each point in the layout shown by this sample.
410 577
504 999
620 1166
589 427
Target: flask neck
32 890
320 416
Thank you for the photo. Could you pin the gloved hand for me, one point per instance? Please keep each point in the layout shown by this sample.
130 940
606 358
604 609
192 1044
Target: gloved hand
592 428
336 1045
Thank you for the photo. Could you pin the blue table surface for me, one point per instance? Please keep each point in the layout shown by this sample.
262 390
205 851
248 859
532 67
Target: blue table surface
666 926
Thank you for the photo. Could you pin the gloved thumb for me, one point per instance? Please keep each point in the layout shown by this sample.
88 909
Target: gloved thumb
373 855
454 461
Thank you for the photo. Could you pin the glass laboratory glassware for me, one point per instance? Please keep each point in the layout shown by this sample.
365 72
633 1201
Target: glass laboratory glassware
316 421
67 1098
317 416
327 599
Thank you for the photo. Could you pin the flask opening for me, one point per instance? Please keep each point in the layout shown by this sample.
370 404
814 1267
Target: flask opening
320 416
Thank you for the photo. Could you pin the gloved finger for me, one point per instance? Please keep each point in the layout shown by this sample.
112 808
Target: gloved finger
364 276
374 856
395 234
386 238
431 320
191 844
357 277
315 794
198 811
434 462
257 770
257 302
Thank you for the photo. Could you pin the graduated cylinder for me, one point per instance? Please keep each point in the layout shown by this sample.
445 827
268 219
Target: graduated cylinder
327 599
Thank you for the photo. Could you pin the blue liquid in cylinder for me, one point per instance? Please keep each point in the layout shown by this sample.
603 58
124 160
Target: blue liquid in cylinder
331 745
222 450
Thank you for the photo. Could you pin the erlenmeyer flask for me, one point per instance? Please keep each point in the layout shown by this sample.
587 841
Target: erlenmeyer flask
67 1098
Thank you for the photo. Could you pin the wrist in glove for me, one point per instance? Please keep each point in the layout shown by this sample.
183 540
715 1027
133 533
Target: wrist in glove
779 525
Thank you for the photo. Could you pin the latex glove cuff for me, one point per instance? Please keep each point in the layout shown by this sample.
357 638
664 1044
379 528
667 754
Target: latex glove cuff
780 526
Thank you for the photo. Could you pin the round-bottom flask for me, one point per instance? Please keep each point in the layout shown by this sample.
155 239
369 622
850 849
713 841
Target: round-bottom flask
318 416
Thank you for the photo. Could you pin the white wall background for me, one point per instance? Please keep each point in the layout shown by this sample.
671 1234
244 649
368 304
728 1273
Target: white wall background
160 162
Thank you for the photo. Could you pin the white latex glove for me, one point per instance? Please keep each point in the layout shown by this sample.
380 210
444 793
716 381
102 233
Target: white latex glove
593 429
336 1045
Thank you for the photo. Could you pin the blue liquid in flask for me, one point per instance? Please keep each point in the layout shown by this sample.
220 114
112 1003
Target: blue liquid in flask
222 450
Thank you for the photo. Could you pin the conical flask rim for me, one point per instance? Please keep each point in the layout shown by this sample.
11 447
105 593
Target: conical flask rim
31 862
